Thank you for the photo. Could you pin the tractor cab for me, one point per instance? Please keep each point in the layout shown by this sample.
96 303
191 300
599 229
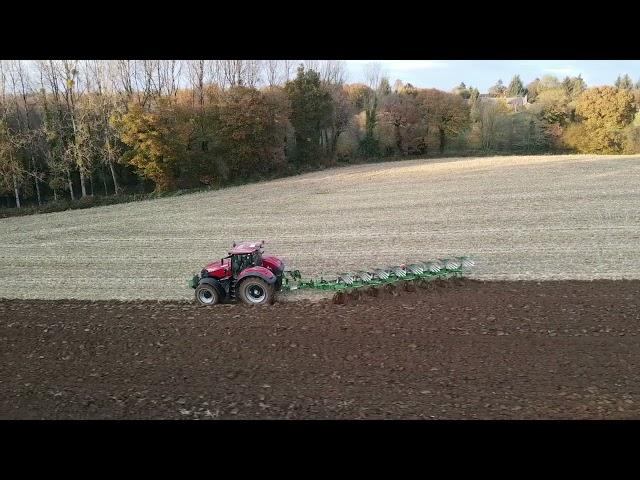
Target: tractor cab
245 255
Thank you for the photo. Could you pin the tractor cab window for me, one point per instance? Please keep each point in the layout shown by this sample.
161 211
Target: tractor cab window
240 262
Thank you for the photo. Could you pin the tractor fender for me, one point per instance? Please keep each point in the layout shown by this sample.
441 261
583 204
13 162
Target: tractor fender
215 284
273 263
260 272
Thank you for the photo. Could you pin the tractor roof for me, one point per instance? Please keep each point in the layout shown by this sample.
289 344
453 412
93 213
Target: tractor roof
245 247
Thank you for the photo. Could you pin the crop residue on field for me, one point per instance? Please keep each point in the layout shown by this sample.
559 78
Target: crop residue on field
537 217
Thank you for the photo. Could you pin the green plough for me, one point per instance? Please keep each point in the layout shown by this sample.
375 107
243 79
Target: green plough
417 274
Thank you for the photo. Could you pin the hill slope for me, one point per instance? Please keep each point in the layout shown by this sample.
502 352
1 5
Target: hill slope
537 217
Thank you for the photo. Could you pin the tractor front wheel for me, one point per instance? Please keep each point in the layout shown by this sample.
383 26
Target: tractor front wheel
255 291
207 295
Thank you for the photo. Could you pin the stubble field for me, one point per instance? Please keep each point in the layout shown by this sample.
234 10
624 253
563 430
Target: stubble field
521 218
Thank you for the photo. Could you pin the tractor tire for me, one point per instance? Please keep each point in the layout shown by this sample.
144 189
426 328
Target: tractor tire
207 295
255 291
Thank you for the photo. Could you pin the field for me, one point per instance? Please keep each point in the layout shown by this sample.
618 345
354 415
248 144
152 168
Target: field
537 217
85 337
484 350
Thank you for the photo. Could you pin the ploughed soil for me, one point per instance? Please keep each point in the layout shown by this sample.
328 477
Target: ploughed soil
464 350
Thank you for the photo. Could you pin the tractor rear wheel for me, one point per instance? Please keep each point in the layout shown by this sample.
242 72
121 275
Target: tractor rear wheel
207 295
255 291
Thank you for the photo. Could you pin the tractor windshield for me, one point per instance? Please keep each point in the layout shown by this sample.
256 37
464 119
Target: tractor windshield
240 262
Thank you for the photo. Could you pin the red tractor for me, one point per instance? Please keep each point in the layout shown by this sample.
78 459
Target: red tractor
245 273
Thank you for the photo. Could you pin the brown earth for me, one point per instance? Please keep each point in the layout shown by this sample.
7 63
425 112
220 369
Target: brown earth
486 350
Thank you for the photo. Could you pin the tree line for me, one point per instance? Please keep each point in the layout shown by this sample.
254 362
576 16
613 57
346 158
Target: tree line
73 130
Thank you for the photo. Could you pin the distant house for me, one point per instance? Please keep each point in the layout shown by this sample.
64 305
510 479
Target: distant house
518 103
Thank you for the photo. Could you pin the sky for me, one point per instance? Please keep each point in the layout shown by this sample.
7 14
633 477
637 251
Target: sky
482 74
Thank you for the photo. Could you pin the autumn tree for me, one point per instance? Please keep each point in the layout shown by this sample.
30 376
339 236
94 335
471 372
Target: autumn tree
547 82
604 113
358 95
552 106
400 112
447 112
152 142
250 138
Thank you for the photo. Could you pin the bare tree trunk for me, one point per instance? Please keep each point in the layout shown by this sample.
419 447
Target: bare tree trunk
104 182
17 192
37 181
115 180
91 183
442 139
70 185
55 195
38 191
82 184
